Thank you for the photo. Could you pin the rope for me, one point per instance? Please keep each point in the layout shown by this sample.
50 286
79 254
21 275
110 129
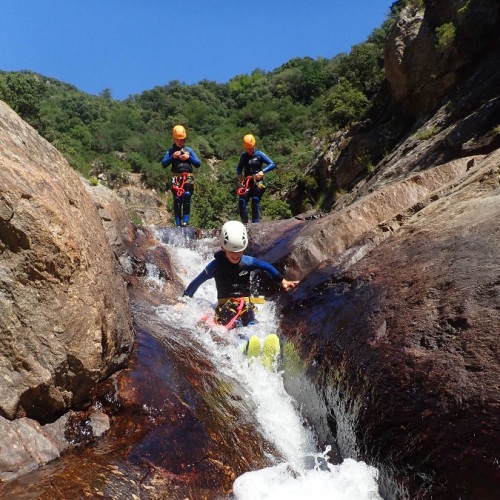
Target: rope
179 190
241 305
244 186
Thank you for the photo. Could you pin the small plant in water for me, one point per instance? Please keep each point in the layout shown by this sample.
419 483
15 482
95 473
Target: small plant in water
465 8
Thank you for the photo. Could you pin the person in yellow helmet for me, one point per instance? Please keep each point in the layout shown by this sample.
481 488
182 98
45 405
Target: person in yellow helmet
182 159
251 168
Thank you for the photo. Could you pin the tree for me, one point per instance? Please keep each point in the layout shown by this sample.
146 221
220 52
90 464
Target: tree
344 104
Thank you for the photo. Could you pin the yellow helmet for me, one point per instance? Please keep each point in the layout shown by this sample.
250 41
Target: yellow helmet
179 132
249 142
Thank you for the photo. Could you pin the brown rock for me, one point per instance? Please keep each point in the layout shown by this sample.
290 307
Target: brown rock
64 313
330 237
399 336
114 217
418 70
146 205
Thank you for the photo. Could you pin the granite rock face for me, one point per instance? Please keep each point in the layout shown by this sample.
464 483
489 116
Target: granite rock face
420 67
437 104
64 311
396 323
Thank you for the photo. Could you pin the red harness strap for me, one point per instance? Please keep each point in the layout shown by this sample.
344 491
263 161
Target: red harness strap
241 305
179 190
244 186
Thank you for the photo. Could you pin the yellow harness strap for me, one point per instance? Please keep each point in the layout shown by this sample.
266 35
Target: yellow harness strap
252 300
178 177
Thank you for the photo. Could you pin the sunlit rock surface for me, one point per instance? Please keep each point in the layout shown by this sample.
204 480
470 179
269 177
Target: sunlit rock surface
64 312
398 332
419 66
178 428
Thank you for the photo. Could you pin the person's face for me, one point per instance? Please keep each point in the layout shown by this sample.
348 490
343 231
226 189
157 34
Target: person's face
250 150
233 257
179 142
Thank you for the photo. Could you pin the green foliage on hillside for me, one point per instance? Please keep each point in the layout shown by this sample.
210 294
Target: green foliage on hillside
283 108
445 36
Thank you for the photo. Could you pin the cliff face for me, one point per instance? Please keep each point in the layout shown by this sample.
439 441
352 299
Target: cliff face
64 312
429 50
439 102
396 318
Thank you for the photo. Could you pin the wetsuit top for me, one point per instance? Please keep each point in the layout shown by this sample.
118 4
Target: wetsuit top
252 164
179 166
231 280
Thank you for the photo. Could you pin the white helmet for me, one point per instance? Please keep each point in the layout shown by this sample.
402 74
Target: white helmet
233 236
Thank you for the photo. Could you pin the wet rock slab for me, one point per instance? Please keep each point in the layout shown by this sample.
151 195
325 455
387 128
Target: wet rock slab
402 345
178 430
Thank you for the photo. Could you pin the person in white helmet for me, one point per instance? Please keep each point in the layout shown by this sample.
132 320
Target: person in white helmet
231 270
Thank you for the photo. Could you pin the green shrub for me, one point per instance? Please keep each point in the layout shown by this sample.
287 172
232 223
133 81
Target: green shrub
136 218
272 208
465 8
445 36
344 104
426 134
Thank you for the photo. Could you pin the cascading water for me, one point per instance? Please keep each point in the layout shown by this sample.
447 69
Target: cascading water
300 469
190 414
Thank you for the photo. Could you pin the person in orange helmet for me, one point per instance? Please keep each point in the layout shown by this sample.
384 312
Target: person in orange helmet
251 168
182 159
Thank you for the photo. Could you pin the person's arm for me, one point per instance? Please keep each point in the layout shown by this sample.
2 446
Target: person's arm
206 274
288 285
193 159
167 159
239 168
262 265
270 165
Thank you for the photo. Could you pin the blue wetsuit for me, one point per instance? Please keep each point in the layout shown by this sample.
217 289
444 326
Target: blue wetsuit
181 203
251 165
232 280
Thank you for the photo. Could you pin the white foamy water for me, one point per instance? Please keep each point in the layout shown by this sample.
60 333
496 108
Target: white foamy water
302 470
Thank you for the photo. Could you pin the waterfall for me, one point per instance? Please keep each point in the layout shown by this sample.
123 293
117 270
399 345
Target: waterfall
299 468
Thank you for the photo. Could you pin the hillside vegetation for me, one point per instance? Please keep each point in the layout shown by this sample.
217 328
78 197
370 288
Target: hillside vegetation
285 109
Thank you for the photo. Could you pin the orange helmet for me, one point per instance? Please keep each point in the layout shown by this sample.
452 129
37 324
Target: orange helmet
179 132
249 142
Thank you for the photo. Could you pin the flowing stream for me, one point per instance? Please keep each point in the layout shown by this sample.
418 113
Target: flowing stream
301 470
190 412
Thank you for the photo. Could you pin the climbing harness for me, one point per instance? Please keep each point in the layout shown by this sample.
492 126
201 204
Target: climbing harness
241 191
241 305
179 190
258 299
229 311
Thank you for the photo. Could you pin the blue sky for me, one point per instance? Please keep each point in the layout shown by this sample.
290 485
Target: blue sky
131 46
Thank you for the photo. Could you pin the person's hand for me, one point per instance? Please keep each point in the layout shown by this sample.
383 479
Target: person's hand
184 156
176 155
259 176
288 285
